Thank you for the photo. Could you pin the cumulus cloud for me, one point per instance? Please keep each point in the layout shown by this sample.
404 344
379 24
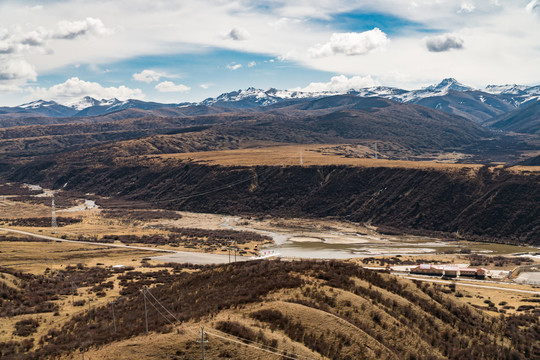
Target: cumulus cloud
148 76
75 88
12 70
467 8
35 38
351 44
169 86
252 64
237 33
445 42
16 41
234 66
339 84
75 29
533 6
7 47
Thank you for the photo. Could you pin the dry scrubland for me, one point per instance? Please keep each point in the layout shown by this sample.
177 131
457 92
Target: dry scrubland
154 228
315 310
304 309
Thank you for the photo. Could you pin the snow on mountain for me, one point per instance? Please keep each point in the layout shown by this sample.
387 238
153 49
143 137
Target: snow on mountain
37 104
448 84
440 89
87 101
505 89
252 97
454 95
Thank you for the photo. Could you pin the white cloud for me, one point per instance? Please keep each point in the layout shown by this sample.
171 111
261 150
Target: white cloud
339 84
237 33
9 89
233 66
445 42
7 47
13 70
169 86
500 35
205 86
467 7
252 64
75 29
34 8
148 76
533 6
351 44
36 37
75 88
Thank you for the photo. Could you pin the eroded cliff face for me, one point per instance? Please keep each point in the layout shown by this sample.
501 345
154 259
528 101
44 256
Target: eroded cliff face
481 204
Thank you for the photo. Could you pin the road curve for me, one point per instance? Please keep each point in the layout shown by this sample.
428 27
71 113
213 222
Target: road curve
459 283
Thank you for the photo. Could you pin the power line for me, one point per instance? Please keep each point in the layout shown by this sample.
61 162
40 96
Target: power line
160 304
252 346
216 189
241 341
254 342
222 187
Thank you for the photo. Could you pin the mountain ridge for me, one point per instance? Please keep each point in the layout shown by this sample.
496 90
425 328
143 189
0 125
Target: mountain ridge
450 96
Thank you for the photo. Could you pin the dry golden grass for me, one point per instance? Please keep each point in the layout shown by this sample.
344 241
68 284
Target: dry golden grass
95 225
525 169
35 257
287 155
509 298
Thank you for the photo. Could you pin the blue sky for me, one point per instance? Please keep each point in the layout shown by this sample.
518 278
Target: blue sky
176 51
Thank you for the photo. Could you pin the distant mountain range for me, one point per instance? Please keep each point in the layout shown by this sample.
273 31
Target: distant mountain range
481 106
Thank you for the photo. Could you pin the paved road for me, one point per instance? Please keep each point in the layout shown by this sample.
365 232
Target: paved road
198 258
172 256
459 283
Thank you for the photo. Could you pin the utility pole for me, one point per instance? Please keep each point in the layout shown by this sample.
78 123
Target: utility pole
145 311
202 341
53 217
301 161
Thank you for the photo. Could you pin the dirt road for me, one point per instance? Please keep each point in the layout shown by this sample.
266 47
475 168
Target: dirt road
172 256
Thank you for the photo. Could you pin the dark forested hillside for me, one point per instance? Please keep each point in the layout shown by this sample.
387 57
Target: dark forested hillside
479 204
524 120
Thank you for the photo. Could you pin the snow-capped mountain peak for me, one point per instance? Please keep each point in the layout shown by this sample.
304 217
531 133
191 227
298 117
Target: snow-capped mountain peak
87 101
506 89
448 84
37 104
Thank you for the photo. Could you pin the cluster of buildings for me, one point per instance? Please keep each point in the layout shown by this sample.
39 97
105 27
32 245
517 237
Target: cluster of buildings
448 271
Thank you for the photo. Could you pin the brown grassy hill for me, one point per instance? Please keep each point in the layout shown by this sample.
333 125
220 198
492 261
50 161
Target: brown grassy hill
337 119
307 310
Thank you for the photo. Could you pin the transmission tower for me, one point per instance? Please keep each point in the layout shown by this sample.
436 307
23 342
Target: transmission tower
53 217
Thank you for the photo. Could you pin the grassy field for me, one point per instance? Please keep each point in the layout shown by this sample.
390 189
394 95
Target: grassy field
310 154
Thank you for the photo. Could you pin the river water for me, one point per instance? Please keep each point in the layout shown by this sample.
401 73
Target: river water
288 243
